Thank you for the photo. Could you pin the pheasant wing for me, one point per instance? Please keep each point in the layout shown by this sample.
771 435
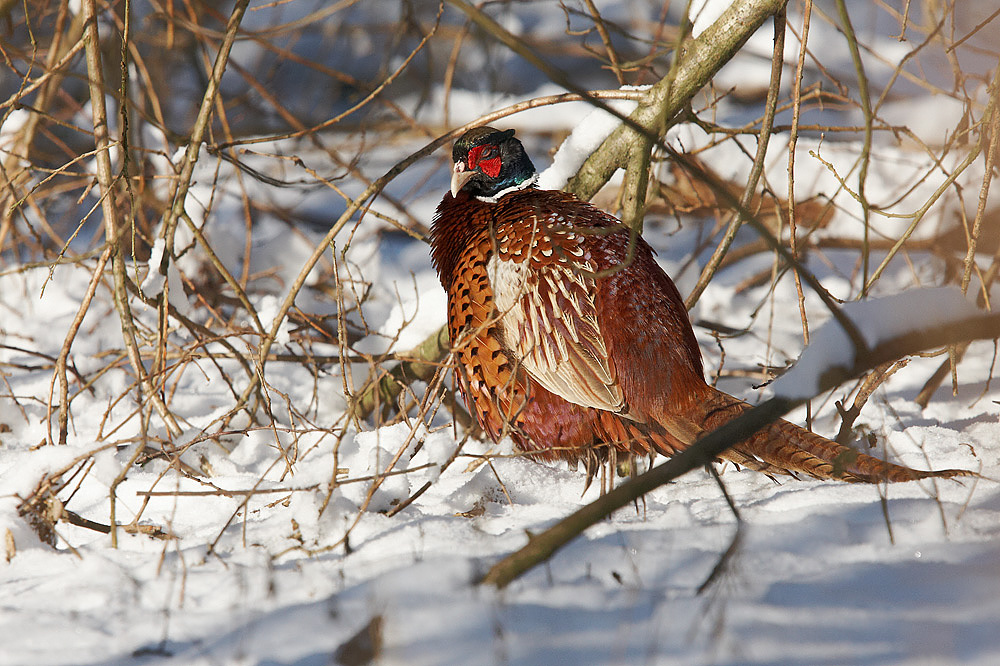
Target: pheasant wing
543 289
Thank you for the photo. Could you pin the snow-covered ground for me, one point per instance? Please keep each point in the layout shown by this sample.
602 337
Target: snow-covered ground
244 554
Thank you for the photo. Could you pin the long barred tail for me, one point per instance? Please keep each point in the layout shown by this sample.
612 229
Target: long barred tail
784 447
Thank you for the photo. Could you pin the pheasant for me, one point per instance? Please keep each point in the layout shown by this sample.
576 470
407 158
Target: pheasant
570 338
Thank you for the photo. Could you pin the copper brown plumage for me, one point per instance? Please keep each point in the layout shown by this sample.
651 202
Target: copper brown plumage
571 339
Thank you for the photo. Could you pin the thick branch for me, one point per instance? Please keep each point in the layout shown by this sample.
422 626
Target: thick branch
697 62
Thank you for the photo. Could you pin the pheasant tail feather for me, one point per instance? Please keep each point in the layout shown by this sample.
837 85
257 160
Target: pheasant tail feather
784 447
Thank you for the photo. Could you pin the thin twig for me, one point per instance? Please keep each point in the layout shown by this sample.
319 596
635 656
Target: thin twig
112 223
866 149
777 62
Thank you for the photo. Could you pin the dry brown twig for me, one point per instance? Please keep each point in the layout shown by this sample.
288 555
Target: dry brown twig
767 122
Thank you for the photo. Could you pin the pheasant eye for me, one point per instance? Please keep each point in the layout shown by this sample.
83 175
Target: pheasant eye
480 154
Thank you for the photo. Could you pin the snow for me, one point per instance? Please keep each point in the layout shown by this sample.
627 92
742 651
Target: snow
933 130
279 545
10 125
267 312
704 13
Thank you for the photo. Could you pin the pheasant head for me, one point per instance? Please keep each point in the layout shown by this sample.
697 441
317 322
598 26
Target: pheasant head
489 163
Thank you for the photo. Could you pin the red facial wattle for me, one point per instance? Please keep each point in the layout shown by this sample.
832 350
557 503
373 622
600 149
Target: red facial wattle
490 166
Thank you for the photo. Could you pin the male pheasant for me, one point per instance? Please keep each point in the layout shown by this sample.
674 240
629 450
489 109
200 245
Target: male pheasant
571 339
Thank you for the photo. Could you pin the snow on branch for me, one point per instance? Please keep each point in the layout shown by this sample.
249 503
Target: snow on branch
879 321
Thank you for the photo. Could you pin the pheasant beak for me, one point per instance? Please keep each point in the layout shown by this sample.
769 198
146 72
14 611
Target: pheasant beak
459 177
